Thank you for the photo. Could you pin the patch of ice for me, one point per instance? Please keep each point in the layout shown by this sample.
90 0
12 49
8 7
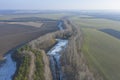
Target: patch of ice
58 47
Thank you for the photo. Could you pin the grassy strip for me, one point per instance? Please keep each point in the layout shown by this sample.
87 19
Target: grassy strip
39 66
24 69
23 64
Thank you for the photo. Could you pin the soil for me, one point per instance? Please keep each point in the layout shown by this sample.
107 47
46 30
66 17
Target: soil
12 35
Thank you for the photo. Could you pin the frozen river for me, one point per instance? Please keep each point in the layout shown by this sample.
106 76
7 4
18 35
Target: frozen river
54 55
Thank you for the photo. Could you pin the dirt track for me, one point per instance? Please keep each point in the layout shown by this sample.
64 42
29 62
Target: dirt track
32 66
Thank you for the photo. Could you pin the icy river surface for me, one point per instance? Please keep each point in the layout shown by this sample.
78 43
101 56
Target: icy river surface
8 67
54 55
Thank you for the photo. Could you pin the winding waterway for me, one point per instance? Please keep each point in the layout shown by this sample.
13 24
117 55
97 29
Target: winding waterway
55 54
8 67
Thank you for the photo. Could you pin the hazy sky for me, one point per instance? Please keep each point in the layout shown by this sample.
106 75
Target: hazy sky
60 4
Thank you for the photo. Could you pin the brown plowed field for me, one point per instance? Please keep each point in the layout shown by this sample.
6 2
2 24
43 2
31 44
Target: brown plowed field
12 35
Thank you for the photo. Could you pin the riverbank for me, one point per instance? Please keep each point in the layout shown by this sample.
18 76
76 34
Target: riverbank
35 48
42 43
73 62
38 47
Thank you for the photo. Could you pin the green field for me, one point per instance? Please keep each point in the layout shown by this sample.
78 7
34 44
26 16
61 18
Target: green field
101 50
97 23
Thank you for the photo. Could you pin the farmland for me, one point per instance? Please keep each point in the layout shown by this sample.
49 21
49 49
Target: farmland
14 33
100 49
98 59
97 23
